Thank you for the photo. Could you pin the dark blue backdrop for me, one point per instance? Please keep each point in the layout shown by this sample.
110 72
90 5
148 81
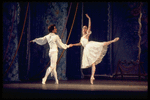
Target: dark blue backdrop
109 20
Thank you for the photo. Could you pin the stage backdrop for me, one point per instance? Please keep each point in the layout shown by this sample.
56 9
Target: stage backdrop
125 25
11 14
109 20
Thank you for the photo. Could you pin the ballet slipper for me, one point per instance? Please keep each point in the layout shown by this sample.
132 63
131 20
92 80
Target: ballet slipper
91 80
57 82
43 80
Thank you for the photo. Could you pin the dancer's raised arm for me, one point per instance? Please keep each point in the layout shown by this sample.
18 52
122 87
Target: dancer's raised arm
89 24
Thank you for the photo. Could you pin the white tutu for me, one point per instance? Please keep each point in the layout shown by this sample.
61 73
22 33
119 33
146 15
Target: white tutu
93 52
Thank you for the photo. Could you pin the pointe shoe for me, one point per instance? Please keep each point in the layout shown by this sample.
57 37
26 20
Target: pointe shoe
116 39
91 80
57 82
43 80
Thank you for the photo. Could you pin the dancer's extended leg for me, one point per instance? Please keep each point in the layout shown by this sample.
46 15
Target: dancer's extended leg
93 72
109 42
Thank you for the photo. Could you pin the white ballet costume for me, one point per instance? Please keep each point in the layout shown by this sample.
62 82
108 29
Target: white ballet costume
93 52
54 42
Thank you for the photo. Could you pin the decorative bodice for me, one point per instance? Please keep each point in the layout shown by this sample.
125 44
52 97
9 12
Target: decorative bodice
84 41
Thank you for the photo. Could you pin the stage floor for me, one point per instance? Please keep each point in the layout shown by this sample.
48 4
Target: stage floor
77 89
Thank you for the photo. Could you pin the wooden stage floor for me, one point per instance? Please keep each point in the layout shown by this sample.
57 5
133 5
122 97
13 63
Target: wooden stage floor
77 89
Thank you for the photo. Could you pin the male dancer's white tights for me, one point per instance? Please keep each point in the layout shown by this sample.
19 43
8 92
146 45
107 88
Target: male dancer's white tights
48 71
52 68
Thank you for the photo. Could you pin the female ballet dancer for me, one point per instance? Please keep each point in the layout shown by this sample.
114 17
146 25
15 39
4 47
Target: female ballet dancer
54 42
93 51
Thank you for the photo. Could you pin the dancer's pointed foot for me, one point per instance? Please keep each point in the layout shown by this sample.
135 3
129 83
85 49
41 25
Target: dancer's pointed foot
43 80
116 39
57 82
91 80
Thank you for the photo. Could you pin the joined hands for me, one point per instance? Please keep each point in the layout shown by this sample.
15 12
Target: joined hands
70 45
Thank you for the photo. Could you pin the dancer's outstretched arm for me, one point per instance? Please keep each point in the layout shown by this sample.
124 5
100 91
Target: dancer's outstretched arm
40 41
77 44
62 45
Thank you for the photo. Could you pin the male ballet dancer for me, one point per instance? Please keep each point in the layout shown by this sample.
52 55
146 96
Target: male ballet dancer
54 42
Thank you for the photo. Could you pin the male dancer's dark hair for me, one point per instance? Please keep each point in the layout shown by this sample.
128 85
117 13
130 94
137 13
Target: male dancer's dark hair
51 27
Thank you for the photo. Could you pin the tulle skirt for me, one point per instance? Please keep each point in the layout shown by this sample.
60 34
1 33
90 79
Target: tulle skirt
93 53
